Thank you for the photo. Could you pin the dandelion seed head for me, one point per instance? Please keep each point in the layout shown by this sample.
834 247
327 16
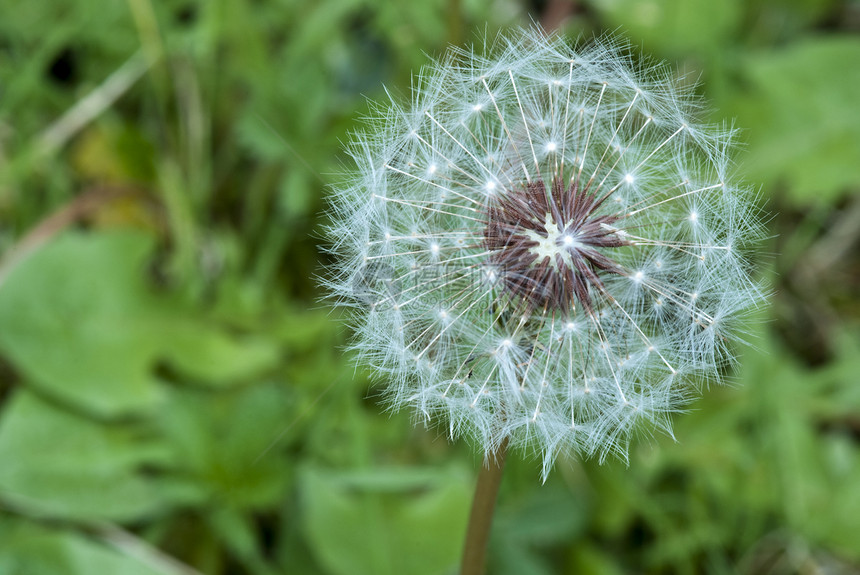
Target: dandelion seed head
544 247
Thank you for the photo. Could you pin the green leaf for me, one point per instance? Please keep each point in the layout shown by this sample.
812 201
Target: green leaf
27 549
263 139
59 464
799 114
80 321
206 355
549 516
228 447
778 445
673 26
588 559
238 533
524 529
388 521
77 320
296 192
776 20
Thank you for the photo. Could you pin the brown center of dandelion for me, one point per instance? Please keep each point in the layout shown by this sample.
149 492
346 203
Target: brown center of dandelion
549 244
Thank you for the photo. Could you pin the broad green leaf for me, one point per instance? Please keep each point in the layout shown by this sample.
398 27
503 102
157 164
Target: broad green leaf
386 522
27 549
80 321
60 464
207 355
798 108
673 26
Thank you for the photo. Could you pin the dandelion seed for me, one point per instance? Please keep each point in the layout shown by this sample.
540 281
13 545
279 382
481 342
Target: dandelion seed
588 254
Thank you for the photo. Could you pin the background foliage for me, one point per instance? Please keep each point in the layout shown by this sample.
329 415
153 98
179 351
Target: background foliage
173 395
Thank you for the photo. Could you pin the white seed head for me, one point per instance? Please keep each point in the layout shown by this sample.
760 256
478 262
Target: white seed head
552 223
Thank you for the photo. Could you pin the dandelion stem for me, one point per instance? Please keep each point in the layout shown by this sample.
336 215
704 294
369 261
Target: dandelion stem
481 516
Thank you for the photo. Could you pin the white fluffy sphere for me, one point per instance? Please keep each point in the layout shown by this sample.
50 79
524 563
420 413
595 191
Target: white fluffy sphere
544 246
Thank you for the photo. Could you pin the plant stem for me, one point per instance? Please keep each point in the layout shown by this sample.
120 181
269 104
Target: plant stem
481 517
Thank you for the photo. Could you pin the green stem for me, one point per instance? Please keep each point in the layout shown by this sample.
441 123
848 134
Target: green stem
481 517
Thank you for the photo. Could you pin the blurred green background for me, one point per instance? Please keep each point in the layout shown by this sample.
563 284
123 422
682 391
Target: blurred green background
174 398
